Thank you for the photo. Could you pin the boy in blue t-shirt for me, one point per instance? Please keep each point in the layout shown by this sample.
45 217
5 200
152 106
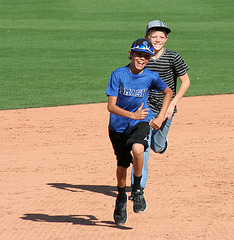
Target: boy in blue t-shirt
130 121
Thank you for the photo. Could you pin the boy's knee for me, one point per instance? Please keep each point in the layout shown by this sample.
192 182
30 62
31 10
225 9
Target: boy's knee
137 150
138 153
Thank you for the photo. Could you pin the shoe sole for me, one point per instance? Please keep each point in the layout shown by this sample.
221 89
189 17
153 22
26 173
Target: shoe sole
122 223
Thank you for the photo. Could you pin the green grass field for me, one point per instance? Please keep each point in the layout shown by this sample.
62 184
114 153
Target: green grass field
57 52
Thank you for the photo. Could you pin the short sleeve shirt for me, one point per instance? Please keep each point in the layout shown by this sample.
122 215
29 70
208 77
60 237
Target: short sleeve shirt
131 91
169 66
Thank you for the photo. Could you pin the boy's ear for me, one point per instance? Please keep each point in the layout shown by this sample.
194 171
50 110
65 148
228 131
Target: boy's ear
130 53
146 37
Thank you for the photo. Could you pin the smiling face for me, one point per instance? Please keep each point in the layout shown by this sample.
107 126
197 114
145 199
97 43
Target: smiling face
157 38
139 60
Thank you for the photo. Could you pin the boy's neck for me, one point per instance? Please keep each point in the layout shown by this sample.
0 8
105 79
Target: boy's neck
133 70
157 54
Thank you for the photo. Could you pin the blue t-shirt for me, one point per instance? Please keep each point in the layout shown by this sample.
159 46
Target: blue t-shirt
131 91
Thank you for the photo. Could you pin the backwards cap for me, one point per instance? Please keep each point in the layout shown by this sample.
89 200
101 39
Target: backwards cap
157 24
143 45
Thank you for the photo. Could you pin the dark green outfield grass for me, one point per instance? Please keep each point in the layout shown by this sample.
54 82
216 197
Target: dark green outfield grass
55 52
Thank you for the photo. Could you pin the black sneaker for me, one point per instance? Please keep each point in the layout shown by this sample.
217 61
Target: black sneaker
139 204
131 196
120 213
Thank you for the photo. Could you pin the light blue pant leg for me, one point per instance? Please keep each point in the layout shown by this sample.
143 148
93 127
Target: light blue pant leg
146 159
159 137
157 140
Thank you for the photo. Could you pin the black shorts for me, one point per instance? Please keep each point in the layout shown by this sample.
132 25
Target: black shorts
122 142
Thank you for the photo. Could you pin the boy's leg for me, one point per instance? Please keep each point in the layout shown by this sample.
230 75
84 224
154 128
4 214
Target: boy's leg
139 204
121 174
137 139
124 158
120 212
138 156
157 140
159 137
145 165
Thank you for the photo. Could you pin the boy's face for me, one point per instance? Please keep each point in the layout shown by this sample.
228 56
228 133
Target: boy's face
158 39
139 59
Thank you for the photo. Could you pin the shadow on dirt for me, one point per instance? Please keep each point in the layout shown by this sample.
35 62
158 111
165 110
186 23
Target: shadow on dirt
87 220
106 190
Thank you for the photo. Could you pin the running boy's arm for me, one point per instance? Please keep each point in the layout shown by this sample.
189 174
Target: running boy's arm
113 108
185 83
157 122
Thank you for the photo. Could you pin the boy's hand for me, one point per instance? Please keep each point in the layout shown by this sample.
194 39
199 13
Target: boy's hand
169 112
140 113
156 123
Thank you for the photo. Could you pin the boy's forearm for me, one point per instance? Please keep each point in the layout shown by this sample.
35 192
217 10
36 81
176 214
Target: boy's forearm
185 83
157 122
165 105
121 112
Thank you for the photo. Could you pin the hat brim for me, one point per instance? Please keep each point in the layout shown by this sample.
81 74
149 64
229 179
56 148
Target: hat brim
142 50
167 30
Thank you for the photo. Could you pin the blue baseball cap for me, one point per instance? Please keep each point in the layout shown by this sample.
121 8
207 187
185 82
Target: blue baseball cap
143 45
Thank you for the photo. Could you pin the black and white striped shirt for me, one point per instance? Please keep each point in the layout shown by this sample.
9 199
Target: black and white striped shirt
169 65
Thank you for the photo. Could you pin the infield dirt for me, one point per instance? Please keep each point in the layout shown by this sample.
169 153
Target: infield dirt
58 175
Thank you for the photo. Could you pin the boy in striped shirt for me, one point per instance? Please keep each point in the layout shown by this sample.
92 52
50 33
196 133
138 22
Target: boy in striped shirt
170 66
